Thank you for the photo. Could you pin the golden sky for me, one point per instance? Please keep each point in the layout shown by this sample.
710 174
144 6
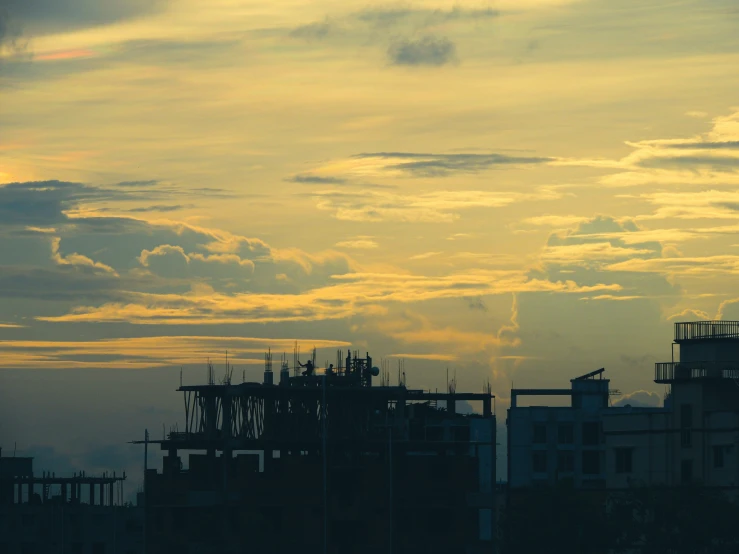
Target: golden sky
521 191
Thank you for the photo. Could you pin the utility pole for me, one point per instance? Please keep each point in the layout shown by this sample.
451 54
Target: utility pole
325 472
390 460
146 493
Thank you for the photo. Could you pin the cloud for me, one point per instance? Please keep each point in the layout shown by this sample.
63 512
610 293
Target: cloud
313 31
705 265
435 165
316 180
77 260
711 158
384 17
640 399
728 309
158 208
352 294
365 243
690 313
434 207
435 357
148 352
52 16
429 51
424 256
601 250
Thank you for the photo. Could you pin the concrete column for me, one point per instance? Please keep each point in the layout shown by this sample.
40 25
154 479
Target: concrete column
92 494
64 493
110 494
102 494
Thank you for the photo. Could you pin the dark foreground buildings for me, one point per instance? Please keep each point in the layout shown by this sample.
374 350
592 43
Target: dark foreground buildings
79 514
324 463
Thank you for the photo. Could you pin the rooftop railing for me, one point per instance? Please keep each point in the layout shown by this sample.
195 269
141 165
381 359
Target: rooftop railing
667 372
697 330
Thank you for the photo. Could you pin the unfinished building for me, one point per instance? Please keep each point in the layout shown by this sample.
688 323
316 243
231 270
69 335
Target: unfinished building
78 514
324 461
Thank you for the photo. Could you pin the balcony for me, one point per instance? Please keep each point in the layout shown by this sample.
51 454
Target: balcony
703 330
669 372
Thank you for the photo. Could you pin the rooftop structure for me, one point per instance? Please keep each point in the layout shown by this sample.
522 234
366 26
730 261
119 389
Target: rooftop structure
707 350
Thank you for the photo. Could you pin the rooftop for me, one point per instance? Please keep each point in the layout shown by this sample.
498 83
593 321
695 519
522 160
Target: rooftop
706 330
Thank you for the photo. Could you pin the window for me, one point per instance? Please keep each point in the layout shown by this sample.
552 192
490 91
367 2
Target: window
591 462
98 548
686 471
540 433
28 520
566 433
565 461
623 460
434 433
686 438
718 455
539 462
686 416
591 433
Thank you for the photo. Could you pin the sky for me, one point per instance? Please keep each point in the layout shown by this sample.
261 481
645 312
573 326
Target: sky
518 192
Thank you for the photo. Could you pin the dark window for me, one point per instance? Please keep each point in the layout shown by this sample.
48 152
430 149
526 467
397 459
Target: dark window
540 433
462 434
591 462
566 433
686 416
28 520
623 460
540 462
565 461
718 456
686 438
434 433
77 548
98 548
591 433
686 471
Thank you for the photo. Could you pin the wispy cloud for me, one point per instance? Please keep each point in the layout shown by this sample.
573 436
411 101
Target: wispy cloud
435 207
429 50
360 243
147 352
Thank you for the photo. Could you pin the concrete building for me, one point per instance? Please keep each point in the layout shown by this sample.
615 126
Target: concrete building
48 514
693 438
547 444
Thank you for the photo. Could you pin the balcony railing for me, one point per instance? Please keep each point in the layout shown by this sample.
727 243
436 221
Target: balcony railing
667 372
697 330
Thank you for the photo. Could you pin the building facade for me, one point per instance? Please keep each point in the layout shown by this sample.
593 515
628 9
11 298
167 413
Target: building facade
693 438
